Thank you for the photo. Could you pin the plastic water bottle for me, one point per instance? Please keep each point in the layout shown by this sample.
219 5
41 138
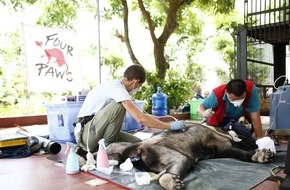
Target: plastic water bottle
159 103
72 163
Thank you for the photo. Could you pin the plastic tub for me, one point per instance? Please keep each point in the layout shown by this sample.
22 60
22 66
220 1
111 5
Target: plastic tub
60 119
193 109
129 123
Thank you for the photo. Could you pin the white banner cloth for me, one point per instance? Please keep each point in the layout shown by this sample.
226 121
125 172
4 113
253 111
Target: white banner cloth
52 59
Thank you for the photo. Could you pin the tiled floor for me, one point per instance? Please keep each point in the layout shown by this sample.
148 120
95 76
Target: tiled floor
46 172
39 172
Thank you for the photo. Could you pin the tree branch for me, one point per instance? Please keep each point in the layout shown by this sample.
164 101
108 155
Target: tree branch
126 32
171 20
170 23
147 17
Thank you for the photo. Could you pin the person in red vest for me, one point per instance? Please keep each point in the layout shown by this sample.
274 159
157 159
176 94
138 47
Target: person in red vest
228 102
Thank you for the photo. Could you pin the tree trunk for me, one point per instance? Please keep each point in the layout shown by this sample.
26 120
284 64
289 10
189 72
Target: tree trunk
160 61
169 27
126 32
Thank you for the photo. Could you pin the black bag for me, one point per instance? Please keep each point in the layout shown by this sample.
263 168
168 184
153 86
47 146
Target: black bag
244 133
15 152
239 128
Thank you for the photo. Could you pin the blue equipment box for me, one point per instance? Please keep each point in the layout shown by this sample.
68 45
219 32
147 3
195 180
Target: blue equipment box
60 119
280 109
129 123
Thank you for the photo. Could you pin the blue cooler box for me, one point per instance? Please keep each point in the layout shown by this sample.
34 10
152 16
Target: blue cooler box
129 123
60 119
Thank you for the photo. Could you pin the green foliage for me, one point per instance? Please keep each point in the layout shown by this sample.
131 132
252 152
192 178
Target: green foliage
17 5
14 96
194 72
114 63
255 53
59 13
114 8
226 42
222 75
190 22
176 86
177 83
15 99
11 64
216 6
257 72
226 48
164 18
228 22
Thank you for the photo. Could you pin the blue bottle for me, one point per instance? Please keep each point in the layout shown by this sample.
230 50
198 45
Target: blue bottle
72 163
159 103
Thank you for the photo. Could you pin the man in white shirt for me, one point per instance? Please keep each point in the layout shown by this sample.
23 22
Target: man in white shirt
103 111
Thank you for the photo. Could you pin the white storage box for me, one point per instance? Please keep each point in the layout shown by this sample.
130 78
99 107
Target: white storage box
60 119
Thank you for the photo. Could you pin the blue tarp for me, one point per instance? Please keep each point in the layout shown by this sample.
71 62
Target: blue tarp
212 174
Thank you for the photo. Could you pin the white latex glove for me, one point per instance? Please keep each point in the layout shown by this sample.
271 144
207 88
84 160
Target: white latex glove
208 113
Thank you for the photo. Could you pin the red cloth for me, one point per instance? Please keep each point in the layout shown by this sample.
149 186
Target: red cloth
220 110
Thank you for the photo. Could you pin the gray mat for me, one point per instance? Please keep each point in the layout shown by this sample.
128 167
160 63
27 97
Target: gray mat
213 174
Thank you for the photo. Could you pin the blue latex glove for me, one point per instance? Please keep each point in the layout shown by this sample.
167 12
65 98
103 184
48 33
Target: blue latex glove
177 125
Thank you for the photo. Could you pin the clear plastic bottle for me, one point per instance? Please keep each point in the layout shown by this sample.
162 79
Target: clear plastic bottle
159 103
72 163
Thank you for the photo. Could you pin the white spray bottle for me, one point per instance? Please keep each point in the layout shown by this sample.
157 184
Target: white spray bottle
72 163
102 157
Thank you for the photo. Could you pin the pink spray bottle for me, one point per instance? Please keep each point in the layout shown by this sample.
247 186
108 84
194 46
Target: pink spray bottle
102 157
72 163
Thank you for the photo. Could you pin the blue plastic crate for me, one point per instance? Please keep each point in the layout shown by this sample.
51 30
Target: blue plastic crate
129 123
